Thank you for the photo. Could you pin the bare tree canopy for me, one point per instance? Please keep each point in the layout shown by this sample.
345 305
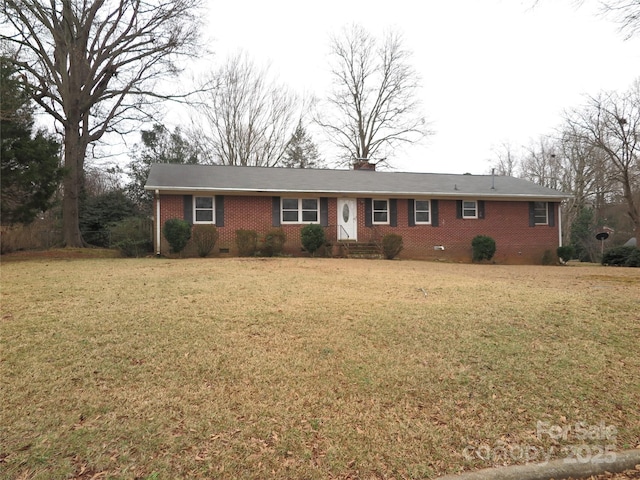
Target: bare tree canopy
95 66
626 13
541 164
248 119
610 122
373 107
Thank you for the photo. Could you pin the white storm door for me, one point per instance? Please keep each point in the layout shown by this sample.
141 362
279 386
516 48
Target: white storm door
347 219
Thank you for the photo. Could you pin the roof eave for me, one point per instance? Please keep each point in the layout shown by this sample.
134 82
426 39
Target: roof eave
456 194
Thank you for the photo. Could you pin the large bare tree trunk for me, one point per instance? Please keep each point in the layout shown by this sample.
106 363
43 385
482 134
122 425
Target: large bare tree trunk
74 165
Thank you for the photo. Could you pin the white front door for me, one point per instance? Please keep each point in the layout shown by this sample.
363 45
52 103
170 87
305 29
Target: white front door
347 219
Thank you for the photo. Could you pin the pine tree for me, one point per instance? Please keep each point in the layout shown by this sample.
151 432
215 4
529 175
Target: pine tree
30 169
301 151
159 145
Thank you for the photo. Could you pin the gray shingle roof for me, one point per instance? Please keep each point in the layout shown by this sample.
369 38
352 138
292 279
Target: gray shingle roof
231 179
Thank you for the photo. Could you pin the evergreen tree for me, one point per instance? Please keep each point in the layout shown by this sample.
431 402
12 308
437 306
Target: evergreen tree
301 151
159 145
583 235
100 212
30 163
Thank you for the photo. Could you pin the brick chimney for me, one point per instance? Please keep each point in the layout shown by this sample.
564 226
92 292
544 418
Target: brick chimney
361 164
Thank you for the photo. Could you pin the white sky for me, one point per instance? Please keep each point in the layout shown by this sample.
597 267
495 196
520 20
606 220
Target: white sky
492 70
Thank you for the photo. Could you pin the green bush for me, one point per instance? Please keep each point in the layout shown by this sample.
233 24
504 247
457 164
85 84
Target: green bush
273 243
565 253
205 238
132 236
625 256
391 245
484 248
633 260
312 237
177 232
247 242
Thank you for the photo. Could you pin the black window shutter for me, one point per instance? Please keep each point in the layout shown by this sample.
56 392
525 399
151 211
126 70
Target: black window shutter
532 214
188 208
368 212
324 211
458 208
480 208
434 213
393 212
275 211
552 213
411 206
219 210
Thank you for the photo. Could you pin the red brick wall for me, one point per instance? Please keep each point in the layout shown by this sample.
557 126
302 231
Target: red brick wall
506 222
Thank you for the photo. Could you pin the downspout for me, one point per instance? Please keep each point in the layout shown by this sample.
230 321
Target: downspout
559 224
158 223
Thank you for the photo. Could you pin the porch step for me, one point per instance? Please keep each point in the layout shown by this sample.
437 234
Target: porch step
361 250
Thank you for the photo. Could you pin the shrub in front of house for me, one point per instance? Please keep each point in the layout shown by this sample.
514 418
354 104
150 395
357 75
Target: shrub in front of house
312 237
391 245
483 247
273 243
204 238
177 232
625 256
565 253
132 236
247 242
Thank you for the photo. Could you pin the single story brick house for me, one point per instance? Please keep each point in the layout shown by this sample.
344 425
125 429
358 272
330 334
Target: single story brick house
436 214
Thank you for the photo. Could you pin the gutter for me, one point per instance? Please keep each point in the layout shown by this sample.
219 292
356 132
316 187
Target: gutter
343 193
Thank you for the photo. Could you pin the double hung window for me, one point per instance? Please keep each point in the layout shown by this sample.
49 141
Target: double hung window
300 210
203 210
380 211
422 212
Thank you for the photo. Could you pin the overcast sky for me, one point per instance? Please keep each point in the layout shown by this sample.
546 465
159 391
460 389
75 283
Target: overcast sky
492 71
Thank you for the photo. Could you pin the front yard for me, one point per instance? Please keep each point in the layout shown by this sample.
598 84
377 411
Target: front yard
311 368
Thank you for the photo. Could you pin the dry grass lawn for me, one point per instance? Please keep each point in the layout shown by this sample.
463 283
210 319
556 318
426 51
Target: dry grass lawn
309 368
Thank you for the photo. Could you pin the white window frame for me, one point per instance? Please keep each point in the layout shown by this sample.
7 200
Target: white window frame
475 209
537 208
300 210
197 209
374 211
416 210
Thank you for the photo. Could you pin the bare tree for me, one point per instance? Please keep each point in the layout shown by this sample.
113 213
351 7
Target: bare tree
95 65
249 119
626 13
373 107
506 162
541 163
610 122
586 171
